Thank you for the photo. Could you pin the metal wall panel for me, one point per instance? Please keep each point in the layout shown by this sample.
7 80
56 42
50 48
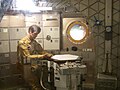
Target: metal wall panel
63 82
116 40
53 32
51 23
5 70
17 80
67 82
61 88
5 21
4 46
15 69
13 57
4 34
51 20
52 44
17 33
13 45
50 16
5 82
106 82
33 19
12 21
4 58
9 82
17 21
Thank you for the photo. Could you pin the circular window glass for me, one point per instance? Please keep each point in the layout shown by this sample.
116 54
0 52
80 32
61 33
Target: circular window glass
77 32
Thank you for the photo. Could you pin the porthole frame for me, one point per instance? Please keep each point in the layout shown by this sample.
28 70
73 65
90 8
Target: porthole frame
80 23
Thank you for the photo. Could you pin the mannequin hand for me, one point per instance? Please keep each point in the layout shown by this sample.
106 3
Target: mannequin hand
47 56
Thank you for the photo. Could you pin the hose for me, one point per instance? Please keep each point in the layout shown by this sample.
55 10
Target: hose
41 82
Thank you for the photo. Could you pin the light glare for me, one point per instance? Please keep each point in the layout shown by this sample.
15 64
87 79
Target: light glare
23 5
77 34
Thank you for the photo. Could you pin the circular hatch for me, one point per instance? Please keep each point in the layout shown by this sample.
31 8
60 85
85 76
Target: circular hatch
77 32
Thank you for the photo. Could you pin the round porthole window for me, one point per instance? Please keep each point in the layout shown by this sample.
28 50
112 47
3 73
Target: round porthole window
77 32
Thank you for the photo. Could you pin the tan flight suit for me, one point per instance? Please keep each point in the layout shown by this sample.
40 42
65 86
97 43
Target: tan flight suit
28 50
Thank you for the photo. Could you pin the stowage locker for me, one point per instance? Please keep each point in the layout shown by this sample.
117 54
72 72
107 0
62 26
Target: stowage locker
53 32
33 19
17 33
4 58
5 70
12 21
5 21
52 44
4 34
4 46
13 45
17 21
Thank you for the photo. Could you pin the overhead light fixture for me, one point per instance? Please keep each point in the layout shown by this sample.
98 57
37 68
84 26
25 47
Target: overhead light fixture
31 7
40 1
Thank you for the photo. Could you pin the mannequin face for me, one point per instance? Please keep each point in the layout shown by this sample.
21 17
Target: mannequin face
33 35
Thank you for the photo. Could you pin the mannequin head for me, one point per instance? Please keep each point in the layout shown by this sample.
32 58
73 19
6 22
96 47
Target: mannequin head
33 31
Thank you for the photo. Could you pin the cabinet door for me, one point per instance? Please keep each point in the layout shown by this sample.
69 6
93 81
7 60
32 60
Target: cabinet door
51 20
34 19
53 32
4 58
13 45
51 23
17 21
5 70
4 34
52 44
4 46
52 16
5 21
17 33
13 21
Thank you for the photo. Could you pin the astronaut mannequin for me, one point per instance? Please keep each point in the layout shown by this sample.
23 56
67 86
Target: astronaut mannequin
28 48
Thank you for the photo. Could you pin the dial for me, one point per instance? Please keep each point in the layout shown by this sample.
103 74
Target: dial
108 29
